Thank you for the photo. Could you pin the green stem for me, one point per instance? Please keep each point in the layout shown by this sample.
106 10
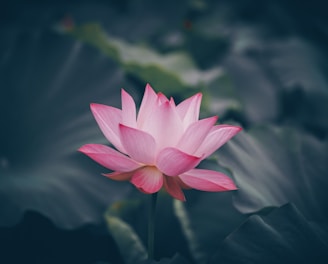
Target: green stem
151 226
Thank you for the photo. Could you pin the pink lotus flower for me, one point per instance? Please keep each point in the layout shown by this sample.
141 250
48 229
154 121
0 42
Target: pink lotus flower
161 145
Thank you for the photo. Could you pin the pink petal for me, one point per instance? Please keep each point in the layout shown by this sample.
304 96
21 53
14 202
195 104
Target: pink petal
195 134
188 109
162 98
109 157
173 188
128 110
119 176
108 119
164 124
218 136
147 105
173 162
207 180
139 145
148 179
172 102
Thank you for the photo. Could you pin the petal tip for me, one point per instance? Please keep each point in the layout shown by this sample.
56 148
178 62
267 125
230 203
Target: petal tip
215 119
83 149
80 149
182 199
95 106
124 93
92 105
149 88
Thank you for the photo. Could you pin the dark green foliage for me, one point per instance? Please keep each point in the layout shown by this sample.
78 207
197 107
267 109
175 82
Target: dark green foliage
260 65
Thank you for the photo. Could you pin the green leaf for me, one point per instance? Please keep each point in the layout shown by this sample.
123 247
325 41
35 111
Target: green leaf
282 236
305 110
48 82
194 245
275 165
221 98
169 73
123 208
130 245
167 228
176 259
206 219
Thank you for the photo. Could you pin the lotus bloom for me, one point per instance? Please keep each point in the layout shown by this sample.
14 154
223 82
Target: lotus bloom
161 145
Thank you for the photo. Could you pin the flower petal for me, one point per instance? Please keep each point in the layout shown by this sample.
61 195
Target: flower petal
195 134
164 124
128 110
109 157
188 109
162 98
173 188
148 179
108 119
147 105
119 176
173 162
139 145
218 136
207 180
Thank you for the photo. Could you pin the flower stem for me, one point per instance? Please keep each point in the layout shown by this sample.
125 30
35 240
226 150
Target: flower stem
151 226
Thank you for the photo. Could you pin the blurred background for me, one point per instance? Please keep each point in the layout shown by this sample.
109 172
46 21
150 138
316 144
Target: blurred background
259 64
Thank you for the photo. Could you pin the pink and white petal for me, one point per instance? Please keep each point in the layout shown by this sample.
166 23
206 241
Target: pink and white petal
188 109
139 145
147 104
195 134
173 162
172 103
148 179
162 98
218 136
128 110
108 118
109 158
164 124
207 180
173 188
119 176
